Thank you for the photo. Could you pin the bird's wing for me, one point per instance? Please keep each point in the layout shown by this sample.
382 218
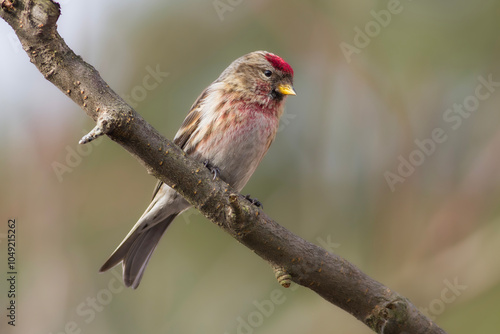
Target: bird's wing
191 122
187 128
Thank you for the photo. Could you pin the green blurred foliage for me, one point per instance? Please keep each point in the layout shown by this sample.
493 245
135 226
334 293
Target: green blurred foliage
324 177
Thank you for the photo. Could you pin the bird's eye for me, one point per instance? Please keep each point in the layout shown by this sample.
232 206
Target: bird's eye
268 73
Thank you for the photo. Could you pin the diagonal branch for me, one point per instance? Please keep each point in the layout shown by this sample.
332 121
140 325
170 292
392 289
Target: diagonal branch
293 258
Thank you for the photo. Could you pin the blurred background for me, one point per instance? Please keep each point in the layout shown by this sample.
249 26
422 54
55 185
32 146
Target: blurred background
388 156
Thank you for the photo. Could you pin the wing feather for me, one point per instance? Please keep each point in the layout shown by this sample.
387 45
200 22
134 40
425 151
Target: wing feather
191 122
188 127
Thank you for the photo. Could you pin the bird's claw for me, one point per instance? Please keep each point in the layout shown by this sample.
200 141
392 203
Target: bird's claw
214 170
254 201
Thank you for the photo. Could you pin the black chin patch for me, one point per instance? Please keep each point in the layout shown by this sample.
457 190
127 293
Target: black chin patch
275 95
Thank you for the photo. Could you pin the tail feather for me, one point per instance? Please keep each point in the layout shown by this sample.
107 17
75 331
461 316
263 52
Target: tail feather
140 252
136 250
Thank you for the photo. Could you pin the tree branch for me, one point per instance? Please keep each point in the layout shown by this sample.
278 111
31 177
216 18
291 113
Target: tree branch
292 258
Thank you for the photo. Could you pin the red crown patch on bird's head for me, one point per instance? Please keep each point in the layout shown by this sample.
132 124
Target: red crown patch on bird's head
279 64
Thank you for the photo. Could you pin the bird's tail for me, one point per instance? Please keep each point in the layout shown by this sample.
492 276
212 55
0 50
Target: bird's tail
136 250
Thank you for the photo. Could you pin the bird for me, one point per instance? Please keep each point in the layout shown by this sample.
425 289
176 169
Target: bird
229 128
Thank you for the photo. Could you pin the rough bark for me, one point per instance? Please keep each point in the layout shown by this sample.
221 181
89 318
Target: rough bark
292 258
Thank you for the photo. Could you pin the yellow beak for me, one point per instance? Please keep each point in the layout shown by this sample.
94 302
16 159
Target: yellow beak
286 89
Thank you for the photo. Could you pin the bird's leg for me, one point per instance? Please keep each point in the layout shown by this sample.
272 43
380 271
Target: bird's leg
254 201
213 169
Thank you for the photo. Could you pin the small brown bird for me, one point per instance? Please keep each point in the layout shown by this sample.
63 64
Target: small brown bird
230 128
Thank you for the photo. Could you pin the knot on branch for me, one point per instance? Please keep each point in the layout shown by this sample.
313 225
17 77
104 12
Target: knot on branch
236 212
283 277
8 5
241 215
43 15
388 317
105 124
